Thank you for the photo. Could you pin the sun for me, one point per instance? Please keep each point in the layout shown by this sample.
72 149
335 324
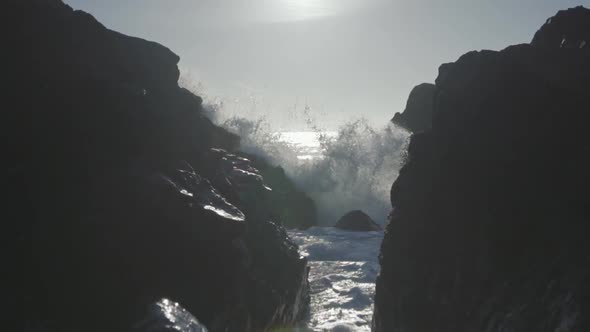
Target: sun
299 10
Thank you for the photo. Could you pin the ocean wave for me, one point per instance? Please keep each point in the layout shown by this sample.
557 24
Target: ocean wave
348 169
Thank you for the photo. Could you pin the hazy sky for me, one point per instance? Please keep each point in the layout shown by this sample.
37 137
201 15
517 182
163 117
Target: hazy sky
344 58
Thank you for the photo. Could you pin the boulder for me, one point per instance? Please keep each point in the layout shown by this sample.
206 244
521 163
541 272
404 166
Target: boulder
490 210
357 221
418 113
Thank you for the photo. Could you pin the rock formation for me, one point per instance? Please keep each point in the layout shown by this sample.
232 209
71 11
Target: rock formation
357 221
293 207
490 212
418 113
123 193
568 29
168 316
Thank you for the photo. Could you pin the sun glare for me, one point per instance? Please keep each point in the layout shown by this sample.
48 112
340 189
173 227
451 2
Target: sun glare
308 9
299 10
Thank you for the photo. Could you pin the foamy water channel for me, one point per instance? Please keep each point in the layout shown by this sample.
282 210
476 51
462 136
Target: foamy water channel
343 269
343 264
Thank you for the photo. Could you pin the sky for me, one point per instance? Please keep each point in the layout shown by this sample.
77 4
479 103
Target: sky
329 60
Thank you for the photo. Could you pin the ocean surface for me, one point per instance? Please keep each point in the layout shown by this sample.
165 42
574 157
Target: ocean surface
343 264
306 144
343 269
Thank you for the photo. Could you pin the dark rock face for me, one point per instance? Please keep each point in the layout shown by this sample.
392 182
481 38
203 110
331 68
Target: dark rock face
568 29
279 291
490 212
418 113
357 221
283 202
116 197
288 204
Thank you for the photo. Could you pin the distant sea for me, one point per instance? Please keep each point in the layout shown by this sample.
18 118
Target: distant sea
307 144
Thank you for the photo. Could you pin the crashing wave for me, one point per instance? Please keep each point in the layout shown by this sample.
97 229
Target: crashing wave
357 166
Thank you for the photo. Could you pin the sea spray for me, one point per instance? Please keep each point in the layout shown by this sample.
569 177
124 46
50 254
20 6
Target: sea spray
349 169
355 168
356 171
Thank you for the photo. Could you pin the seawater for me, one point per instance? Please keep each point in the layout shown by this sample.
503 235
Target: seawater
307 145
349 169
343 264
343 269
352 168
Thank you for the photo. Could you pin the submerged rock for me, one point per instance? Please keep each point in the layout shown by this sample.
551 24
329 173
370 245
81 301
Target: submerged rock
418 113
357 221
490 211
116 203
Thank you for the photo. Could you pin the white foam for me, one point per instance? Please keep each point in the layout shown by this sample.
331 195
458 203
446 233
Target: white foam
343 269
351 169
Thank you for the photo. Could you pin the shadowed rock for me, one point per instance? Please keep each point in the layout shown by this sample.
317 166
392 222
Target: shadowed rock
113 201
418 113
490 211
357 221
568 29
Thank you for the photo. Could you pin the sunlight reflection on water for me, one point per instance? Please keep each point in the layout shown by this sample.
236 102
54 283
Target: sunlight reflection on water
307 144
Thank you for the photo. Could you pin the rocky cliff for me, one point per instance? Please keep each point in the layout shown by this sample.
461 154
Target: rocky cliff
122 193
418 113
491 211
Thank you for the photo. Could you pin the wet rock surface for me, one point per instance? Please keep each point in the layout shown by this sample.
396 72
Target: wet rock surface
357 221
113 199
279 288
284 203
490 210
168 316
290 205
